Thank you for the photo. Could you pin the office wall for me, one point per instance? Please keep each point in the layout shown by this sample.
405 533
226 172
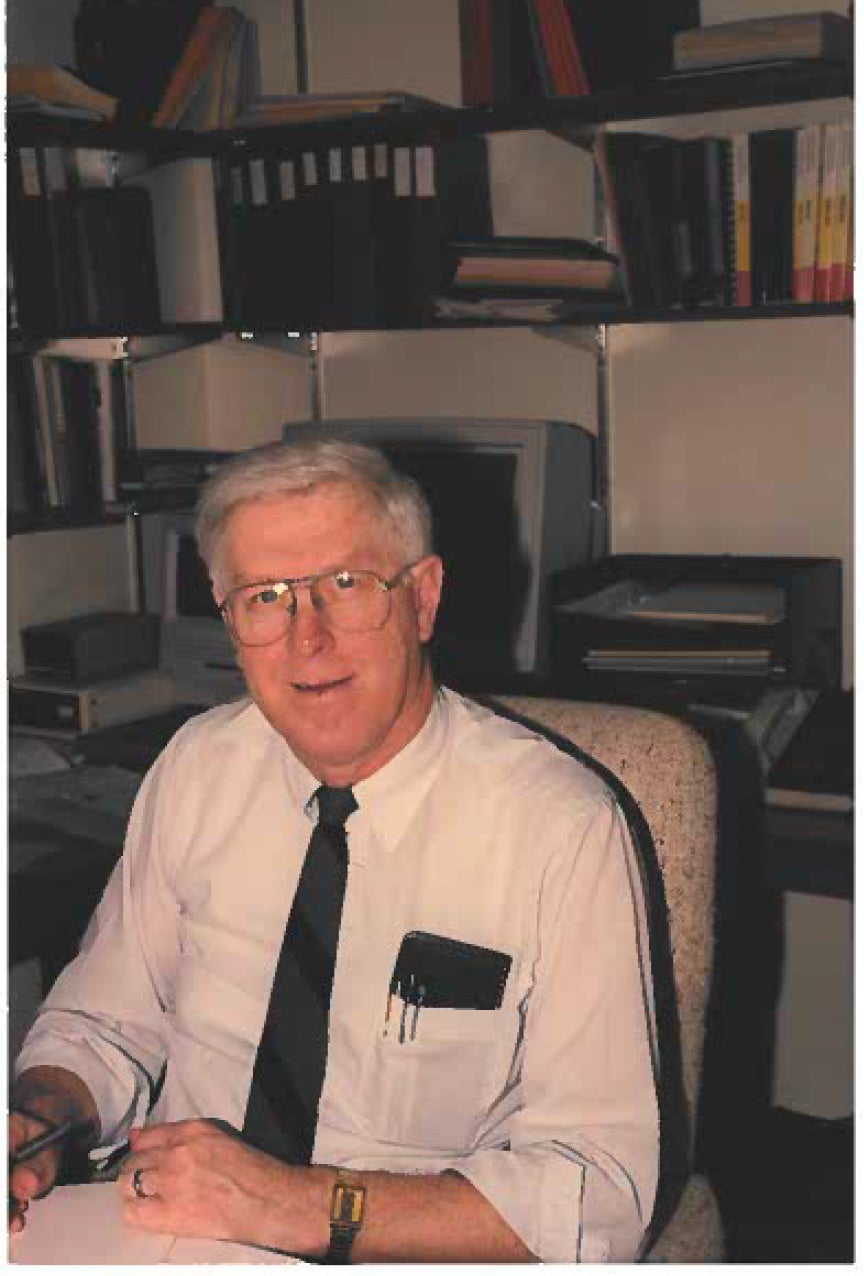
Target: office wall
734 438
40 30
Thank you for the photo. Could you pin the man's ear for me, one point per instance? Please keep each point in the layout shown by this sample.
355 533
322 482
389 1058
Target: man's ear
427 579
218 598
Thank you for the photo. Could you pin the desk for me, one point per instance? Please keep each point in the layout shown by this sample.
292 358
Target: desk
83 1225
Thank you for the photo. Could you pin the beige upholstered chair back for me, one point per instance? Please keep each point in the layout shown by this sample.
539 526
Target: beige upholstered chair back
667 768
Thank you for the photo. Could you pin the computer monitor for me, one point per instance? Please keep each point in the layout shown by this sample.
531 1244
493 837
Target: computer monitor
512 502
195 647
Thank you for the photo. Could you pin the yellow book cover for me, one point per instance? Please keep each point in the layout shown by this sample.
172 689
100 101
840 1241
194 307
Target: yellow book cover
741 202
828 187
842 215
807 162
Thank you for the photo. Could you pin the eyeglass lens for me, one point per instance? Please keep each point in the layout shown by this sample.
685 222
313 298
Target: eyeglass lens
353 602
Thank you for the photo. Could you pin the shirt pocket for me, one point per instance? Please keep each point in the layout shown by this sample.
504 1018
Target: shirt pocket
432 1087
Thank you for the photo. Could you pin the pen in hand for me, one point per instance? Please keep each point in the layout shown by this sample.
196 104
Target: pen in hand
42 1141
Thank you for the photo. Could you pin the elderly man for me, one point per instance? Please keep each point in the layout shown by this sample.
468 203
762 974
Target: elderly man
371 947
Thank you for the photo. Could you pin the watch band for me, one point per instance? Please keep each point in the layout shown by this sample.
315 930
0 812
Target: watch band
347 1207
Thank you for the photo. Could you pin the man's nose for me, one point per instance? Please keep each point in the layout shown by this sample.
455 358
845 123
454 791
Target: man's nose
308 631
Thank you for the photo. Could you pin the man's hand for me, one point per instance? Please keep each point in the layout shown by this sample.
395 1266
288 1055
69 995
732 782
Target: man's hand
200 1179
43 1098
34 1177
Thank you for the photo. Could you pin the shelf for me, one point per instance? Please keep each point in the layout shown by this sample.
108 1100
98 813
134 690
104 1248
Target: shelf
18 524
675 95
114 345
26 129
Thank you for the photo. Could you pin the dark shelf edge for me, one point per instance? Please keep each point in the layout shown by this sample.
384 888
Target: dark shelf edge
613 316
21 342
679 95
18 524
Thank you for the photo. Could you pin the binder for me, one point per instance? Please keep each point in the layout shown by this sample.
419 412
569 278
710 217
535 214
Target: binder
82 463
772 195
286 245
314 270
32 245
261 243
114 282
355 255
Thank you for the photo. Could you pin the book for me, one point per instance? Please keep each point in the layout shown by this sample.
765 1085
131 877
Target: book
827 197
720 212
808 151
131 49
545 85
562 57
510 262
112 277
26 493
241 74
772 196
476 48
700 276
37 302
842 216
816 770
204 111
710 602
637 177
354 255
81 458
49 83
627 44
740 151
782 37
212 27
297 108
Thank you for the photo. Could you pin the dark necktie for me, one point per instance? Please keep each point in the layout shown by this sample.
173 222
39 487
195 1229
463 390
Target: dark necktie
282 1110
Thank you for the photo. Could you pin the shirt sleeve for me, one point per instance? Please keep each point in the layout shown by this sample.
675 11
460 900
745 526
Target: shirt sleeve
103 1018
572 1165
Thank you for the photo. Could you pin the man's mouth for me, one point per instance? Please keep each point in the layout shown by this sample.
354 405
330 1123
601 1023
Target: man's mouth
320 688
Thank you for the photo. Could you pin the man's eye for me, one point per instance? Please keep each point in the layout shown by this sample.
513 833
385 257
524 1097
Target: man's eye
263 596
344 581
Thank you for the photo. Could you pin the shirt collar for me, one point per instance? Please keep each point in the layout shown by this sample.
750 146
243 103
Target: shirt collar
389 797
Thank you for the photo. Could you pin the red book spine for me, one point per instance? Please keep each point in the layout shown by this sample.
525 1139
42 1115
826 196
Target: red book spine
475 20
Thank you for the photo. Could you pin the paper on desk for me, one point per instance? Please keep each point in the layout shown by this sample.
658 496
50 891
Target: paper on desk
84 1225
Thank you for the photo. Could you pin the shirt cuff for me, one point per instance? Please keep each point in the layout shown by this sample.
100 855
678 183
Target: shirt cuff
539 1192
120 1089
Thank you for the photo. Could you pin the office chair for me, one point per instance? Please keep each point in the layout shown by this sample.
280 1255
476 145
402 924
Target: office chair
663 775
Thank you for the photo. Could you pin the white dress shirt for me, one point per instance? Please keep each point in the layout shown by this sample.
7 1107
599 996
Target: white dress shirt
477 830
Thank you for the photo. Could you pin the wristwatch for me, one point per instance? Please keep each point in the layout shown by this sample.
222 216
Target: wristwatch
347 1206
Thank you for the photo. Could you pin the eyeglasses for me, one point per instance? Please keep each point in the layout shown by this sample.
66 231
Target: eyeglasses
353 602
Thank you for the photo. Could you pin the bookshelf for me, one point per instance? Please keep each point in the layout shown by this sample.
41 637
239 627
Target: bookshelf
641 352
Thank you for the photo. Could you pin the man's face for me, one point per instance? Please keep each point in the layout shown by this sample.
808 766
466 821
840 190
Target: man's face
346 703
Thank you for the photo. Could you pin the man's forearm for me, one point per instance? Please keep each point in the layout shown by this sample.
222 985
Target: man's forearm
409 1218
196 1178
57 1095
438 1218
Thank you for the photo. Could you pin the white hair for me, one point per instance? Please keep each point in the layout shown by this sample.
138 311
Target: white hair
300 465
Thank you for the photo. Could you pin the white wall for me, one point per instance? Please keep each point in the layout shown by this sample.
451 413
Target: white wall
734 438
814 1066
40 31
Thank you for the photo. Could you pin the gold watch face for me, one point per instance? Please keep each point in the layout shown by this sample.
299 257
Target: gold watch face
346 1206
